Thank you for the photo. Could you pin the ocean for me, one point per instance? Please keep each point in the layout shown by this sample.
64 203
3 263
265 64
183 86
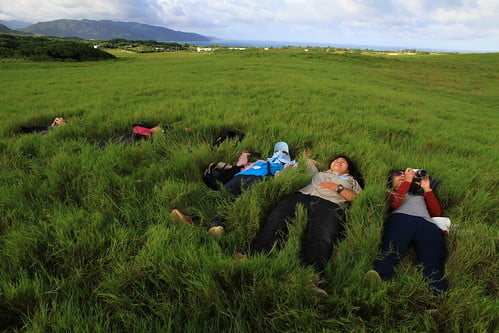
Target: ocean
280 44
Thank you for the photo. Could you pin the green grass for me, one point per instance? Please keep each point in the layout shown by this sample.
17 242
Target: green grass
86 240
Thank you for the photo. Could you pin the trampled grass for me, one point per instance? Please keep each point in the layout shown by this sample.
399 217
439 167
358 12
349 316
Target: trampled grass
87 243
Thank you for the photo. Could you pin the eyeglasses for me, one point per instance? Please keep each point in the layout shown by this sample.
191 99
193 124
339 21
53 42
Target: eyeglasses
398 173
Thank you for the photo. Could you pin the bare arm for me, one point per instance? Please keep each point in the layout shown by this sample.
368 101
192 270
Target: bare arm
349 195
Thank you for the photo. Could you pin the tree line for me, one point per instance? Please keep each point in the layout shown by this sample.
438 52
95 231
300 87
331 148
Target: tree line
41 48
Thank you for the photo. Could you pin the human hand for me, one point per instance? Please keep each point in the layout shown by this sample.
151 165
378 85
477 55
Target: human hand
329 186
58 121
307 152
425 183
409 175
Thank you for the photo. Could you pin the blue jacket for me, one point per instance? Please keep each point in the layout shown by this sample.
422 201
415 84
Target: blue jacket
261 168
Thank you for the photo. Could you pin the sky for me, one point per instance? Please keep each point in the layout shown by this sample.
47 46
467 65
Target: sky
471 25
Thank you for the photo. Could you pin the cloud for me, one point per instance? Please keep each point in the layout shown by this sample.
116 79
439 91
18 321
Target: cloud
306 20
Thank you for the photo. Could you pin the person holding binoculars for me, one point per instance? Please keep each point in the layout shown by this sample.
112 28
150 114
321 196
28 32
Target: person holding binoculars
412 204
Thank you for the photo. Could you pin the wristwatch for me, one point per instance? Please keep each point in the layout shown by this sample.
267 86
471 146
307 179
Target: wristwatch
340 188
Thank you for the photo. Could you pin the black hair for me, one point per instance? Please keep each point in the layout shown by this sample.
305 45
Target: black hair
145 124
415 188
352 169
389 180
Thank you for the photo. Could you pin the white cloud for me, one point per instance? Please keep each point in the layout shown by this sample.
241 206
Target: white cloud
357 21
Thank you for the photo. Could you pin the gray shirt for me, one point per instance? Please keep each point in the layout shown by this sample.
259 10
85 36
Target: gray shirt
414 205
314 189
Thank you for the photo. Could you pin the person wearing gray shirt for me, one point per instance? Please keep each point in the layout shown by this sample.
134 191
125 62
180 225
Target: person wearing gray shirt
324 199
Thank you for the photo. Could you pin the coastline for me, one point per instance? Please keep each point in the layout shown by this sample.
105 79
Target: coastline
281 44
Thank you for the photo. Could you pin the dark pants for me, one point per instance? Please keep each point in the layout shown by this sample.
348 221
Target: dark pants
239 183
402 230
325 223
235 186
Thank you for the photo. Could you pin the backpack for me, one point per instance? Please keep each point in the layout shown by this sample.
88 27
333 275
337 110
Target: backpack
220 172
227 134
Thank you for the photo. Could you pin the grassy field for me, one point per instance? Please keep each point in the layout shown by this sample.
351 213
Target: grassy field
86 240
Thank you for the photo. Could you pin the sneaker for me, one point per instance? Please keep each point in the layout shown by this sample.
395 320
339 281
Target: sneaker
373 276
216 230
178 215
432 312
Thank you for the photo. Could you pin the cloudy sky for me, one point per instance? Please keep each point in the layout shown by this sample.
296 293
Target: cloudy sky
432 24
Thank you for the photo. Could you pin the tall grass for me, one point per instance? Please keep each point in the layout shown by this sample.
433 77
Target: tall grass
87 243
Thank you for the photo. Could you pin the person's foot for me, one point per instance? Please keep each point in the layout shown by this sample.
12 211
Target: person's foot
315 281
320 291
178 215
373 275
216 230
241 256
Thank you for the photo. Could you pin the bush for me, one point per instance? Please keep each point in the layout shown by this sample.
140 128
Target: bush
44 48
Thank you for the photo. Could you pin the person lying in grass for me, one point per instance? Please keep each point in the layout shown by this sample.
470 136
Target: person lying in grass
58 121
324 198
250 174
254 172
140 131
411 208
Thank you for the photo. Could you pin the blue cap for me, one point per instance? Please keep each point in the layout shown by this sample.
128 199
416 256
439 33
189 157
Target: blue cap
281 146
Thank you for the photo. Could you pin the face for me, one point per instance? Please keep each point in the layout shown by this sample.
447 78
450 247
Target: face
339 165
397 178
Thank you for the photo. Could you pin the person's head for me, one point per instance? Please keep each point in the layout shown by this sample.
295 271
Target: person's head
281 154
282 147
146 124
342 164
395 178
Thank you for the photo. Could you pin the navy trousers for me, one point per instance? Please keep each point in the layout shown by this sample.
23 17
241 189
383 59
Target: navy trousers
325 223
402 230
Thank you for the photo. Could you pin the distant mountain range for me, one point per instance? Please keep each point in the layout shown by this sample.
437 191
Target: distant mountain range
14 24
6 30
106 30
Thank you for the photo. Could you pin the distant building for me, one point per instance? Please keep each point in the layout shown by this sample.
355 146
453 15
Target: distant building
204 49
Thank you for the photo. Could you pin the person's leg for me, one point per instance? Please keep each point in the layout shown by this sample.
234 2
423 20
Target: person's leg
325 223
398 233
275 228
430 250
240 182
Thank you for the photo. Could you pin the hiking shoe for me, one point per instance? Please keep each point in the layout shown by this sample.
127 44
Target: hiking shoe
178 215
216 230
373 275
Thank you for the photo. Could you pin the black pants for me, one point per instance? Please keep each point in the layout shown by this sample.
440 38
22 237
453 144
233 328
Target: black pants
241 182
325 224
235 186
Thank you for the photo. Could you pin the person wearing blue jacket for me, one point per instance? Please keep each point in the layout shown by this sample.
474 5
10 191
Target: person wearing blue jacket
260 169
249 175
